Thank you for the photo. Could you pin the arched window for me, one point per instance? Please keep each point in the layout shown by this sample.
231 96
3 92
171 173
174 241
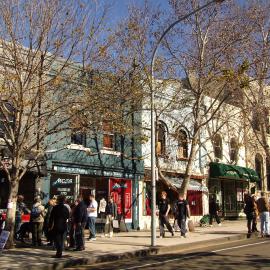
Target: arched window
233 150
217 142
161 139
268 173
259 168
182 140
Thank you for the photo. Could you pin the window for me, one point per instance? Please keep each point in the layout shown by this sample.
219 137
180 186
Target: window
217 146
268 173
182 140
259 168
233 150
108 136
255 121
78 137
161 139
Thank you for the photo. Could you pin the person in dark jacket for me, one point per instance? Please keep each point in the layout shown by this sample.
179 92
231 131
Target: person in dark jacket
46 226
58 224
249 210
182 213
20 209
79 220
213 212
111 214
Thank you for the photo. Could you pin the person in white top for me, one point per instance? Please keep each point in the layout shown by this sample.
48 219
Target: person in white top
92 216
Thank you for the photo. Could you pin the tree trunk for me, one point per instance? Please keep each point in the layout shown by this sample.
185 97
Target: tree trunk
184 187
11 210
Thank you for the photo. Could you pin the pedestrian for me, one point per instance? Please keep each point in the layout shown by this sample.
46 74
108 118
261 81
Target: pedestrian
164 209
111 214
20 210
79 220
183 212
72 224
254 222
213 212
263 208
48 209
92 216
249 210
37 219
58 225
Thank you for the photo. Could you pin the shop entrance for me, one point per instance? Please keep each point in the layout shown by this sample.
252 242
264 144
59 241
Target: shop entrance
229 198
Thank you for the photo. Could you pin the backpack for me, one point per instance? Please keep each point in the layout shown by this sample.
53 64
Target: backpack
36 212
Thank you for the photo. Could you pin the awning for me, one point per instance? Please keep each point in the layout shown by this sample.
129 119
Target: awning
193 184
219 170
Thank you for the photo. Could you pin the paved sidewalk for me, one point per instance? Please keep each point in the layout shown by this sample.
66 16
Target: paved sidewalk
121 245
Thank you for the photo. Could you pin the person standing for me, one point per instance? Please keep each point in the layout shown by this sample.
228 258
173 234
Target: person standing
249 210
37 219
46 226
213 212
254 222
111 214
58 224
263 208
92 216
164 209
183 212
79 219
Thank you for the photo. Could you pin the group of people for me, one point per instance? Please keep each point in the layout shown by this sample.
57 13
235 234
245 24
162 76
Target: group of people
62 222
180 210
257 209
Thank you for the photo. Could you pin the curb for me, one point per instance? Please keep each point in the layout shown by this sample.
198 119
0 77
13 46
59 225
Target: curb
66 263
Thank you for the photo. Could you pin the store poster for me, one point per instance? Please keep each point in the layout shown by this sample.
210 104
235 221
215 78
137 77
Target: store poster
121 190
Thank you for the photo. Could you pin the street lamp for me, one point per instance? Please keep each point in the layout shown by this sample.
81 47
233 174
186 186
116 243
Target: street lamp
153 140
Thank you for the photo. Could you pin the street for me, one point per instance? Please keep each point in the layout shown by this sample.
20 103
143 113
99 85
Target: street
246 254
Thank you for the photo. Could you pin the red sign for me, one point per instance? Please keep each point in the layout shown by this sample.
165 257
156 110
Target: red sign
121 190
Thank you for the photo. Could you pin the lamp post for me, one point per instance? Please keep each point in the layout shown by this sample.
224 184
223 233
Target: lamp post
153 139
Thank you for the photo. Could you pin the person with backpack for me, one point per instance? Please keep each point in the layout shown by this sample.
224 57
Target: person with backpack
183 212
164 209
263 208
37 219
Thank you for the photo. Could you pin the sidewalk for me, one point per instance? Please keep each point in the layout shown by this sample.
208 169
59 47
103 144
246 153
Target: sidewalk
122 245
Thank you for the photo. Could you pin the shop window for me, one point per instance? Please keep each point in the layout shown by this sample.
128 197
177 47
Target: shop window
182 140
268 173
259 168
233 150
78 137
217 142
161 139
108 136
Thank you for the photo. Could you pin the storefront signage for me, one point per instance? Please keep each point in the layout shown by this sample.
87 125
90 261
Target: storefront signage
62 184
121 190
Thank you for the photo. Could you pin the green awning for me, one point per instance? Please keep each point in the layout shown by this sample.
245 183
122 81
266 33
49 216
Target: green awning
219 170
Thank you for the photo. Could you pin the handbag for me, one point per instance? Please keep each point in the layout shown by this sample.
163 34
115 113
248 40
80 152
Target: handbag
115 224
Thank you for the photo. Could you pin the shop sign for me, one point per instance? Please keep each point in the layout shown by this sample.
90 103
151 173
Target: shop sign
63 185
121 190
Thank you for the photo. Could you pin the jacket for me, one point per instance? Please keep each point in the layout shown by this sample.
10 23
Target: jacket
59 218
111 209
80 213
41 208
262 205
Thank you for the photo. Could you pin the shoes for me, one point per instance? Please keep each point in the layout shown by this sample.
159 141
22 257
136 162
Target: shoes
57 256
211 225
93 239
79 249
219 224
183 236
172 233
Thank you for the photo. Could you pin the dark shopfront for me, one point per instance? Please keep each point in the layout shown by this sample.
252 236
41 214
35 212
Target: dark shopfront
228 185
123 189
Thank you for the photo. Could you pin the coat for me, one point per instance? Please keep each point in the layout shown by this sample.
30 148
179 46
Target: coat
59 218
39 219
80 213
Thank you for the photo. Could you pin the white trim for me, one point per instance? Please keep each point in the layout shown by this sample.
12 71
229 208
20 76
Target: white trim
108 151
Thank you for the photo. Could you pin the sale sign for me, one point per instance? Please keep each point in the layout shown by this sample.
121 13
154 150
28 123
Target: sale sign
121 190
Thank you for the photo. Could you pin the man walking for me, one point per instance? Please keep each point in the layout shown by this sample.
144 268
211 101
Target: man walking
213 212
182 213
58 224
164 208
111 214
263 208
79 220
92 216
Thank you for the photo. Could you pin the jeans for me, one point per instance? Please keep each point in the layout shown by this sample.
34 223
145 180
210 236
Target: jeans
79 236
92 227
37 232
109 224
182 225
264 216
59 241
163 220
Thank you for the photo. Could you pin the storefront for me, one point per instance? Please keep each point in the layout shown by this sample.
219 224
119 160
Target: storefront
65 181
228 184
